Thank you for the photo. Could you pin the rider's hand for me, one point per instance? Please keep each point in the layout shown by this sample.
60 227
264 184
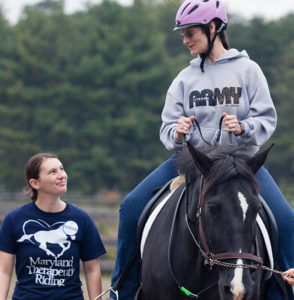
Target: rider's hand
232 124
183 127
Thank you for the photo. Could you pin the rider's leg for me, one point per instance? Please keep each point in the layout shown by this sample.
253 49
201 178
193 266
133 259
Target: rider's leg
130 211
284 216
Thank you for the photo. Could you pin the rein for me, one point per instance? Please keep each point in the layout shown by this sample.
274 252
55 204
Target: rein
170 244
218 135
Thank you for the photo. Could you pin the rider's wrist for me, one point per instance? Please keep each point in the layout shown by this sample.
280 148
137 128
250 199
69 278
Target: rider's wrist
176 138
242 128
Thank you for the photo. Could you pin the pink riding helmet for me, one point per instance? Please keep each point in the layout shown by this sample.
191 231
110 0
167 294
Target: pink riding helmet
200 12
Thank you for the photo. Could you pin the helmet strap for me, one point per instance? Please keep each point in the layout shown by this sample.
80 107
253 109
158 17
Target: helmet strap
210 43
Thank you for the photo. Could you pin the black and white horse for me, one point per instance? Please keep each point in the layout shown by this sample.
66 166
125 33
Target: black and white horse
212 215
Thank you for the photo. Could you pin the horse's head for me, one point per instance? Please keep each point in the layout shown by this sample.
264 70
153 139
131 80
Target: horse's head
228 206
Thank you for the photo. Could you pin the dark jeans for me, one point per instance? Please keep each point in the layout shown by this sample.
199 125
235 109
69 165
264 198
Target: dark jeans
134 203
284 216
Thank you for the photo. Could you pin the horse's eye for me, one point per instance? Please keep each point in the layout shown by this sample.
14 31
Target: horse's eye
213 208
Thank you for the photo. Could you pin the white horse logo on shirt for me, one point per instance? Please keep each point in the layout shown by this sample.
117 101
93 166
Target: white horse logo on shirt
51 236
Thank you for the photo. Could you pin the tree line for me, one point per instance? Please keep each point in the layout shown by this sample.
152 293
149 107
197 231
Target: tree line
90 87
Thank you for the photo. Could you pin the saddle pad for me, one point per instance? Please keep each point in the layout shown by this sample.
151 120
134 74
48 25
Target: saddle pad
267 240
159 207
151 219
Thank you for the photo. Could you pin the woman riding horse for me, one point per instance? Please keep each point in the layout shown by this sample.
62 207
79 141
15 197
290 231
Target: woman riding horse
219 82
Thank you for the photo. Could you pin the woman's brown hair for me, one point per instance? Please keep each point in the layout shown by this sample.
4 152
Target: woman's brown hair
32 171
223 35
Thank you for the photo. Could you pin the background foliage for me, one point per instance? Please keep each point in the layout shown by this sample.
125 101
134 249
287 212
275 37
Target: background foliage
90 87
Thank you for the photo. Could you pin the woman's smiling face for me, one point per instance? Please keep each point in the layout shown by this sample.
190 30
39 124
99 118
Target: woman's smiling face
195 39
52 177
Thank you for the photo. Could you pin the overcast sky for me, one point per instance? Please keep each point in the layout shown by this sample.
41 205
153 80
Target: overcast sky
270 9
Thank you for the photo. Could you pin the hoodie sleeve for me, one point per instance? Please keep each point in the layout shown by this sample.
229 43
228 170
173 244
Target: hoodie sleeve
173 109
262 117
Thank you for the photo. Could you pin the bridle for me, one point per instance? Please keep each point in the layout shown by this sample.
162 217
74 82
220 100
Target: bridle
209 258
219 256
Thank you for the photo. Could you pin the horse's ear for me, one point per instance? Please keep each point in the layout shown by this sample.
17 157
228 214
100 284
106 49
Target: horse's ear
258 160
202 161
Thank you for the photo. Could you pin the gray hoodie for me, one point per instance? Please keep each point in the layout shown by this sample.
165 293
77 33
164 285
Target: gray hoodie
233 84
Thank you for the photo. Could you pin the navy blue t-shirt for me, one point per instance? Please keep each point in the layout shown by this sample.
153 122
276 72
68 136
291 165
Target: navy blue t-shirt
48 249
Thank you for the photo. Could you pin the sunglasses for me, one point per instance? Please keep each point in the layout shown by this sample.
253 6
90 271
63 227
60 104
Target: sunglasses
188 34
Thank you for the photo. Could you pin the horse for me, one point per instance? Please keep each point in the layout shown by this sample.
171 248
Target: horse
205 235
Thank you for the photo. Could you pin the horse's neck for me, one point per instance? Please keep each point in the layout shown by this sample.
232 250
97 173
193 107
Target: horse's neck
192 194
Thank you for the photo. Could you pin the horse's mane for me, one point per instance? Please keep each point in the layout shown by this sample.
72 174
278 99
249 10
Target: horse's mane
229 162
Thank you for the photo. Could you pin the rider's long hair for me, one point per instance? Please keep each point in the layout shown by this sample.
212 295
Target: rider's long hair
223 35
32 171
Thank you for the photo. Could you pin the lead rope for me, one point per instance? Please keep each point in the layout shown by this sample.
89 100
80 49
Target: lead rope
108 290
121 278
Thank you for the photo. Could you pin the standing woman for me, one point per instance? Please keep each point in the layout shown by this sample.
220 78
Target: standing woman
47 238
220 82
